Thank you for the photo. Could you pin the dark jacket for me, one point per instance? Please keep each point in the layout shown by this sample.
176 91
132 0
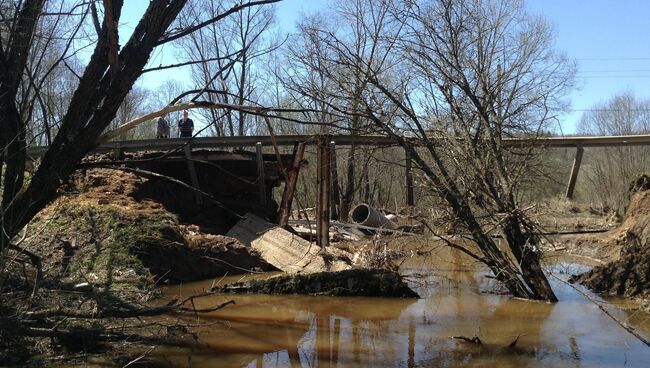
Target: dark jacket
186 126
162 130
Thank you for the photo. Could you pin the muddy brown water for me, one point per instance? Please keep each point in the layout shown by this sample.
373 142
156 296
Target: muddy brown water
457 299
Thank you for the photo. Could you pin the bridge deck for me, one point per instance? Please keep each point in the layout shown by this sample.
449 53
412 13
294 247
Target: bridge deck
341 140
188 145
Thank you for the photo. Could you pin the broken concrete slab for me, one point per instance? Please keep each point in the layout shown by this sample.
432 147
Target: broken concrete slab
286 251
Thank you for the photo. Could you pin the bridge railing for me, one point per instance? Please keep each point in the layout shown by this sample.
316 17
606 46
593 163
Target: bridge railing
331 141
341 140
119 147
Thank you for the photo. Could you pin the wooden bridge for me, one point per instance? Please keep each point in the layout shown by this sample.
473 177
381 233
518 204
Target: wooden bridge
326 155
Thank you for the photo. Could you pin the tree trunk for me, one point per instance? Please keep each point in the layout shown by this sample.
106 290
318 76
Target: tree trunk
93 105
525 247
526 281
348 194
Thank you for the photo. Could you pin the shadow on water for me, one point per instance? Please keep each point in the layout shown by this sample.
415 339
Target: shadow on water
299 331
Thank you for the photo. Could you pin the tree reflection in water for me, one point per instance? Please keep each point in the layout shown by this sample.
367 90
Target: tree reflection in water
299 331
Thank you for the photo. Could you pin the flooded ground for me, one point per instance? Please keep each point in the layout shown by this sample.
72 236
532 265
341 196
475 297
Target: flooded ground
457 299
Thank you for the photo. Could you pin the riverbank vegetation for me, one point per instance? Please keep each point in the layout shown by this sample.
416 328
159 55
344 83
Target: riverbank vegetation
81 249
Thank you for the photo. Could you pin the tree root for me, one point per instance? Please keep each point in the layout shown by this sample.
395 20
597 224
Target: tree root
34 260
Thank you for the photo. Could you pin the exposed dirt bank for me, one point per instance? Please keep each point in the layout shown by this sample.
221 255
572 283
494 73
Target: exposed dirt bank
628 273
103 232
105 244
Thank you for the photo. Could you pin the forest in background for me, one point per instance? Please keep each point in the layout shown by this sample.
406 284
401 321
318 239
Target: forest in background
248 59
460 77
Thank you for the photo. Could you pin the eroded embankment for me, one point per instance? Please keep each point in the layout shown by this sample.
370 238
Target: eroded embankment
99 232
629 273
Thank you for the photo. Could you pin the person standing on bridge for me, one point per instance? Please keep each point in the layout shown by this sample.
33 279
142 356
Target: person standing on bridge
163 128
186 125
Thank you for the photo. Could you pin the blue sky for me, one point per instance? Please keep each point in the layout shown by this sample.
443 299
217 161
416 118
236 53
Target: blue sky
609 39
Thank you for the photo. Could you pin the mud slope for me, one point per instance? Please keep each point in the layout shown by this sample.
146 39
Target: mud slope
98 232
629 275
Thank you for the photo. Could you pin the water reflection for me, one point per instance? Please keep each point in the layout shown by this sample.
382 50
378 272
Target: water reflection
296 331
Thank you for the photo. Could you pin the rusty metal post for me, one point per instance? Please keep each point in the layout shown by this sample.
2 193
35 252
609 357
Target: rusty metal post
574 172
410 198
323 204
334 184
411 344
290 185
261 179
193 176
118 154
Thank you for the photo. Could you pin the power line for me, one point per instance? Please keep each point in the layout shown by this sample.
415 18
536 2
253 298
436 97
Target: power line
609 110
612 76
614 59
615 71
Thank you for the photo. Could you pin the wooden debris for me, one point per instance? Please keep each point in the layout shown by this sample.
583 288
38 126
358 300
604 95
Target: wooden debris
514 342
473 340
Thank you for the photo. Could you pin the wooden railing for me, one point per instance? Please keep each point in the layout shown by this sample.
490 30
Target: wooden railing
342 140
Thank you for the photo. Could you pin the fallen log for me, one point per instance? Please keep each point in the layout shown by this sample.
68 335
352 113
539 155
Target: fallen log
356 282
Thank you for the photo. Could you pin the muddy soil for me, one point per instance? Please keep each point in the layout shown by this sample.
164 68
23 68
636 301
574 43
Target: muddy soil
628 273
356 282
107 242
103 232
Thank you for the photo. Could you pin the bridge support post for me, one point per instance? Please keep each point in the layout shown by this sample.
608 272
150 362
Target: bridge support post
118 154
323 184
192 170
410 199
334 183
261 179
574 172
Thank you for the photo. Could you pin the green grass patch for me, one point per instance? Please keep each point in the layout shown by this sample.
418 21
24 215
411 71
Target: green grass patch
114 242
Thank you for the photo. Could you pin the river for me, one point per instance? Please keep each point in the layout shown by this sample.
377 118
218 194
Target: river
457 299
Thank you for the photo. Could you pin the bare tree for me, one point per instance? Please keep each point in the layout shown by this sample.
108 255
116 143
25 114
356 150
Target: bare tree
610 170
317 80
45 70
227 59
136 103
163 95
107 78
458 77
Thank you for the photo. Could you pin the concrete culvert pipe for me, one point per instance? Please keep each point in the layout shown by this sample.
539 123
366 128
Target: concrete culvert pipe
365 215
